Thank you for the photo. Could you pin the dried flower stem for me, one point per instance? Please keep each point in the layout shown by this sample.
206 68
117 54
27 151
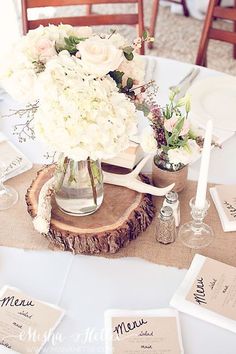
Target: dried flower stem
92 181
24 130
145 86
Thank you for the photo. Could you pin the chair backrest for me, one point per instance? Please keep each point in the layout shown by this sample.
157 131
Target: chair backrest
209 32
86 20
184 5
226 14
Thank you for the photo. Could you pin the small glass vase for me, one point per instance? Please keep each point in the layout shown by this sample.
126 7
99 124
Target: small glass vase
79 186
165 173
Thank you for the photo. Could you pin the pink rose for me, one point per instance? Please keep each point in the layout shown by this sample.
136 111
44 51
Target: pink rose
170 124
46 49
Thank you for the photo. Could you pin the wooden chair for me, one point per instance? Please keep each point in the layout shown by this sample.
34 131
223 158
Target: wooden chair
88 19
155 10
209 32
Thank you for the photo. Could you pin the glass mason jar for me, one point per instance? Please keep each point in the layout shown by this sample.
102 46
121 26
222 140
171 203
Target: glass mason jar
79 186
165 173
161 160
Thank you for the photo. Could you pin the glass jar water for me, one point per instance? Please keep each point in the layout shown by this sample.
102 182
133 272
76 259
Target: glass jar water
79 186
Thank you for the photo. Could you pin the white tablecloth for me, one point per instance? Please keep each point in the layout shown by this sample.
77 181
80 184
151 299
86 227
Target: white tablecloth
86 286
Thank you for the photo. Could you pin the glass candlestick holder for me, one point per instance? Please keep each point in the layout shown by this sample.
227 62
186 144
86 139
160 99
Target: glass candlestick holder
196 234
8 195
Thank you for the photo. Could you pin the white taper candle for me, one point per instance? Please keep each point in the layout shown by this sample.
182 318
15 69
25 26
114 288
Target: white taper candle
203 175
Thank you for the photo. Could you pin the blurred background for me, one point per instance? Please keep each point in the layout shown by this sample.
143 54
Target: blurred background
176 36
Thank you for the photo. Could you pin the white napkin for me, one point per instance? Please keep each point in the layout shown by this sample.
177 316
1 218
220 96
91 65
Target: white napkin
219 136
227 224
5 350
179 301
14 160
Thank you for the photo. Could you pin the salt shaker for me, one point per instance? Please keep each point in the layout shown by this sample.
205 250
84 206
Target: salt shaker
171 200
166 229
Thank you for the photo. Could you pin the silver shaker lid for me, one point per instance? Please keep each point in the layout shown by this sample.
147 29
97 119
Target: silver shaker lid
166 212
171 197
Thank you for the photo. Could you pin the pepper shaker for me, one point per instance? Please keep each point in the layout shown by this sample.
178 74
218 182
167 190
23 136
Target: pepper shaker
166 229
171 200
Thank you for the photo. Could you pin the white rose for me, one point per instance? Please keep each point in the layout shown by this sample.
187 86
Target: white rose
99 56
185 154
148 141
179 155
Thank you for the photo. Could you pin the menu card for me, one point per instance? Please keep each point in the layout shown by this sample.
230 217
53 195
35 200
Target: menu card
25 323
224 197
5 350
208 292
141 332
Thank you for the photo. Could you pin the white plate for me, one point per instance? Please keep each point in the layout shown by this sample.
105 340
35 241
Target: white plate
215 98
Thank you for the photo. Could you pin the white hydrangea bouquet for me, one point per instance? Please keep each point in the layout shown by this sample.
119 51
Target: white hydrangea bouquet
85 87
84 84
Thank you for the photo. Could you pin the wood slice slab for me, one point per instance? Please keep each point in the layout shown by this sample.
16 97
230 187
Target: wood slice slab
123 215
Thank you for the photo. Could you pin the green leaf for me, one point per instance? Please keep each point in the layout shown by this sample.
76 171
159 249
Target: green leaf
76 40
113 31
179 126
145 34
67 41
129 57
143 108
167 112
116 75
170 140
173 93
128 53
176 131
71 43
97 175
165 148
129 83
128 50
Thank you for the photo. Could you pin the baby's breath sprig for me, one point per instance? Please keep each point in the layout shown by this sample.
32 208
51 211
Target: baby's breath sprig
51 157
138 42
25 129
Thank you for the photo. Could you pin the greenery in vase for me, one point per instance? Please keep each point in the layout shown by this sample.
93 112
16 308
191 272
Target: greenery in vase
175 140
67 173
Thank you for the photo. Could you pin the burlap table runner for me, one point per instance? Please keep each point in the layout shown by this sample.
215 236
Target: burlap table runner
16 230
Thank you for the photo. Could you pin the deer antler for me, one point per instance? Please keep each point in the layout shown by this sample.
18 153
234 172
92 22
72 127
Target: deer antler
132 181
